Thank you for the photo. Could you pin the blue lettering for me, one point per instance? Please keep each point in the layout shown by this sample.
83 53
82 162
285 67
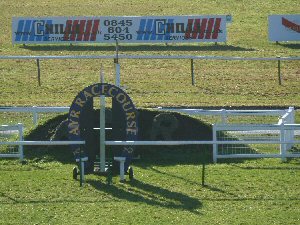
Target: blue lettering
26 30
19 30
141 29
167 36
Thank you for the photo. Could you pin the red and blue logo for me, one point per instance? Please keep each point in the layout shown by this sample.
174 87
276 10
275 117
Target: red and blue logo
166 29
47 30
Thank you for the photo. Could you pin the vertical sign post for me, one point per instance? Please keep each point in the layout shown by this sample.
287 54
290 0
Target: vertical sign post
117 65
102 126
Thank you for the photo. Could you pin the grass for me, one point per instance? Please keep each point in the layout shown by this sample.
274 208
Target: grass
218 83
167 188
254 192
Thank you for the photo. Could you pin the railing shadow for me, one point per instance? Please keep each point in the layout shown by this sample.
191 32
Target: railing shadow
266 167
137 191
136 48
290 45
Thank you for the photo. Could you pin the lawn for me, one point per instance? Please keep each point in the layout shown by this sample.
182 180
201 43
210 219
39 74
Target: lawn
164 192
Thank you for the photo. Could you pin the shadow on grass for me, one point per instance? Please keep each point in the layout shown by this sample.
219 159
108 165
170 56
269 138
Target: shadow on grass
137 191
178 177
136 48
266 167
290 45
44 132
188 129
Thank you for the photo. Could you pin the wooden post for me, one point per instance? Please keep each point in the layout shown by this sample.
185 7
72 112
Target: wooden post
192 72
279 74
203 174
39 71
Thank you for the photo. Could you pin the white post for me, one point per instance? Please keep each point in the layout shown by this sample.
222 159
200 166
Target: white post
117 65
20 127
82 170
121 160
224 116
282 146
215 146
290 133
102 127
82 160
35 116
118 80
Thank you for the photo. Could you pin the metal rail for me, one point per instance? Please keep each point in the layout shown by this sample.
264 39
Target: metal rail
120 56
117 56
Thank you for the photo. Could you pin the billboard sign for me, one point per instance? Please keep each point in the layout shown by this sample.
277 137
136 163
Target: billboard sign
284 27
126 29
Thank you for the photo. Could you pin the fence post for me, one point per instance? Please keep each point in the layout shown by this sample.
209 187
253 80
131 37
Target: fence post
215 146
102 133
35 115
278 67
117 65
290 119
39 71
224 115
20 128
282 145
192 72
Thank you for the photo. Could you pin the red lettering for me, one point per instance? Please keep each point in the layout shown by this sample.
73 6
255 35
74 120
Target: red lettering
216 28
209 28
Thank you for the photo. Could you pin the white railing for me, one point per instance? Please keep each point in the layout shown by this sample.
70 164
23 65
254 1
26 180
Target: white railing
122 56
35 110
8 129
281 134
118 56
286 115
42 143
288 118
285 127
22 143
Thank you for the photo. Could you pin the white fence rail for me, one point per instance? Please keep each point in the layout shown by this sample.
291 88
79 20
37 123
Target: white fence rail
286 129
287 115
42 143
22 143
120 56
282 134
35 110
7 129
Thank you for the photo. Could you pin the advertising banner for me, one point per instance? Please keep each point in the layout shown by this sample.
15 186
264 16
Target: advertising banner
126 29
284 27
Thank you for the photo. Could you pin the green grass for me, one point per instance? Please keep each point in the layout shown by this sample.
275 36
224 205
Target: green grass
156 82
254 192
168 188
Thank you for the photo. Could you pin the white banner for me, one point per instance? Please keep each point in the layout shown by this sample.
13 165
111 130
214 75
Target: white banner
127 29
284 27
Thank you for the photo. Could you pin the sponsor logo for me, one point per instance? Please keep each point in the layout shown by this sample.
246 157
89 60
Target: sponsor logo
166 29
46 30
290 25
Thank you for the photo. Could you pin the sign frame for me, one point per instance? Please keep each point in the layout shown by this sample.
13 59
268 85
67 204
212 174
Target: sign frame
284 27
125 29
